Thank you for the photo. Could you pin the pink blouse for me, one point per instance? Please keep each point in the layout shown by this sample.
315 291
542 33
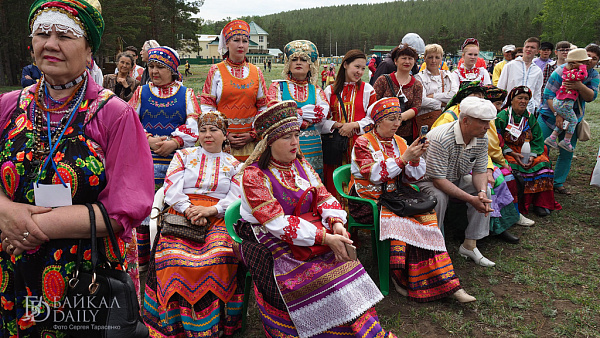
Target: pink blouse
129 192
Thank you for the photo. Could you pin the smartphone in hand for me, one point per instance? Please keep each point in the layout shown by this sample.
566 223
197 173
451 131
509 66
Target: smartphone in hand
423 133
351 250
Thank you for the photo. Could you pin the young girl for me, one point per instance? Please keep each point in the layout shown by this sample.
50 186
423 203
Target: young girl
469 70
575 70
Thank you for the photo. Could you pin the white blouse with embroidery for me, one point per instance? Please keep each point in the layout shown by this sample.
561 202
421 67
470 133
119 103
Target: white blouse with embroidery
197 171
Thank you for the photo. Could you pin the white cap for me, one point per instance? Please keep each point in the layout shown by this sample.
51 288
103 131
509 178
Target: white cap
478 108
508 48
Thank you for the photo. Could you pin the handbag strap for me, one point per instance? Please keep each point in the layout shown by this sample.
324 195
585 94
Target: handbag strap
93 236
343 106
313 205
111 233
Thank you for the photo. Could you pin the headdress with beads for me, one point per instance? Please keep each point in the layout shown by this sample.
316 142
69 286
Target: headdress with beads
165 56
213 118
383 108
305 49
233 28
271 124
469 41
82 18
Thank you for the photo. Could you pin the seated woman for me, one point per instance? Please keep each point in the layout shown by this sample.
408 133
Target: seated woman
192 289
328 295
421 267
517 126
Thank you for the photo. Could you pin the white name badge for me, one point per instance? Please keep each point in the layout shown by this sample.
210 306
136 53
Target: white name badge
378 155
513 130
302 183
52 195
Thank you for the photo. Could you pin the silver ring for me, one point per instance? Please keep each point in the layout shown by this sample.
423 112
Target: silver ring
24 239
10 247
25 234
6 239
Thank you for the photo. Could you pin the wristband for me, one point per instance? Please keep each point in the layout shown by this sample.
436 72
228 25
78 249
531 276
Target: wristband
485 191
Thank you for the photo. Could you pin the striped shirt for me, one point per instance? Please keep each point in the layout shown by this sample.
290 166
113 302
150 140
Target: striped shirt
448 157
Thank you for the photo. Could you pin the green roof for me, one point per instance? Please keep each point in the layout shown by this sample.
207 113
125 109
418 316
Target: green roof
256 29
382 48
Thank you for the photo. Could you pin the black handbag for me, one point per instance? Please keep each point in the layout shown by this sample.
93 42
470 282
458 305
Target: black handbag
103 302
405 201
335 145
180 227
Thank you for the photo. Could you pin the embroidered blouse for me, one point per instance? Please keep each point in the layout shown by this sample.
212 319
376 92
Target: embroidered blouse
371 165
461 74
349 95
118 131
188 133
197 171
213 87
310 113
260 206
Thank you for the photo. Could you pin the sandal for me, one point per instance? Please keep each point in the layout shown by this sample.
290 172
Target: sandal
562 190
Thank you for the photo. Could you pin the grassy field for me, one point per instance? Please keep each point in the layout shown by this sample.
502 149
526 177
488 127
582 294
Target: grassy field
547 285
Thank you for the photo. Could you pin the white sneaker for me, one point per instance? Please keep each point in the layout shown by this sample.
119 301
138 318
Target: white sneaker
475 255
524 221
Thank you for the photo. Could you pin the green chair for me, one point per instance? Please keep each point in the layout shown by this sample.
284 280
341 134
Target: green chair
381 249
232 215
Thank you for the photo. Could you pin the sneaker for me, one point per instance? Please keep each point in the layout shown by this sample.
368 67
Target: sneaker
524 221
551 142
566 146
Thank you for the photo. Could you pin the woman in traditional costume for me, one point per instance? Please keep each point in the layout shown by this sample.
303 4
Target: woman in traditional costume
355 96
469 71
300 84
327 295
63 131
419 263
236 88
405 87
168 112
192 289
534 184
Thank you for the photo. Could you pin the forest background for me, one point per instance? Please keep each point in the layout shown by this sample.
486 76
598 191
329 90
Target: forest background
447 22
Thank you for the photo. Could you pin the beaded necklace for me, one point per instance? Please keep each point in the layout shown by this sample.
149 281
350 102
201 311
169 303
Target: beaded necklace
42 89
40 148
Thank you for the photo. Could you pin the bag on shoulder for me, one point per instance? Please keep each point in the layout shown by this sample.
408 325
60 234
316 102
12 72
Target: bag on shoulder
405 201
333 144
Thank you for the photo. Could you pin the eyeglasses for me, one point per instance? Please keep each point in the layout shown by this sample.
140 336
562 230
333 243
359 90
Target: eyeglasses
563 50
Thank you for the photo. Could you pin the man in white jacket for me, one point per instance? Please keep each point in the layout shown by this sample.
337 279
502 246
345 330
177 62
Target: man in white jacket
523 72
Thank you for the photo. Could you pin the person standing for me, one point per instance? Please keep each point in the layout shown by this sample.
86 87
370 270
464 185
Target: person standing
136 70
562 49
588 91
545 53
236 88
31 73
456 161
507 52
523 72
145 48
300 84
122 84
187 68
469 71
269 65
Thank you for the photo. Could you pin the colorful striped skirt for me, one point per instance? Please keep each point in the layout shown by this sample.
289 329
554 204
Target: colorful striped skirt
310 145
302 299
192 289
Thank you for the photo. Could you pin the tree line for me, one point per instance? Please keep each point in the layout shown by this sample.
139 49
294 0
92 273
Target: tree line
126 23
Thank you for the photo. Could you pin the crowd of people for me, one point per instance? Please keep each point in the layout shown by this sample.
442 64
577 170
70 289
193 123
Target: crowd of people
471 135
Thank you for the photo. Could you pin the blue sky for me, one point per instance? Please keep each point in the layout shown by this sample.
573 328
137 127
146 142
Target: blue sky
221 9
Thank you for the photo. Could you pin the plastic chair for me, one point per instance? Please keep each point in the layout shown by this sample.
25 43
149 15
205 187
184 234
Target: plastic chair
232 215
381 249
